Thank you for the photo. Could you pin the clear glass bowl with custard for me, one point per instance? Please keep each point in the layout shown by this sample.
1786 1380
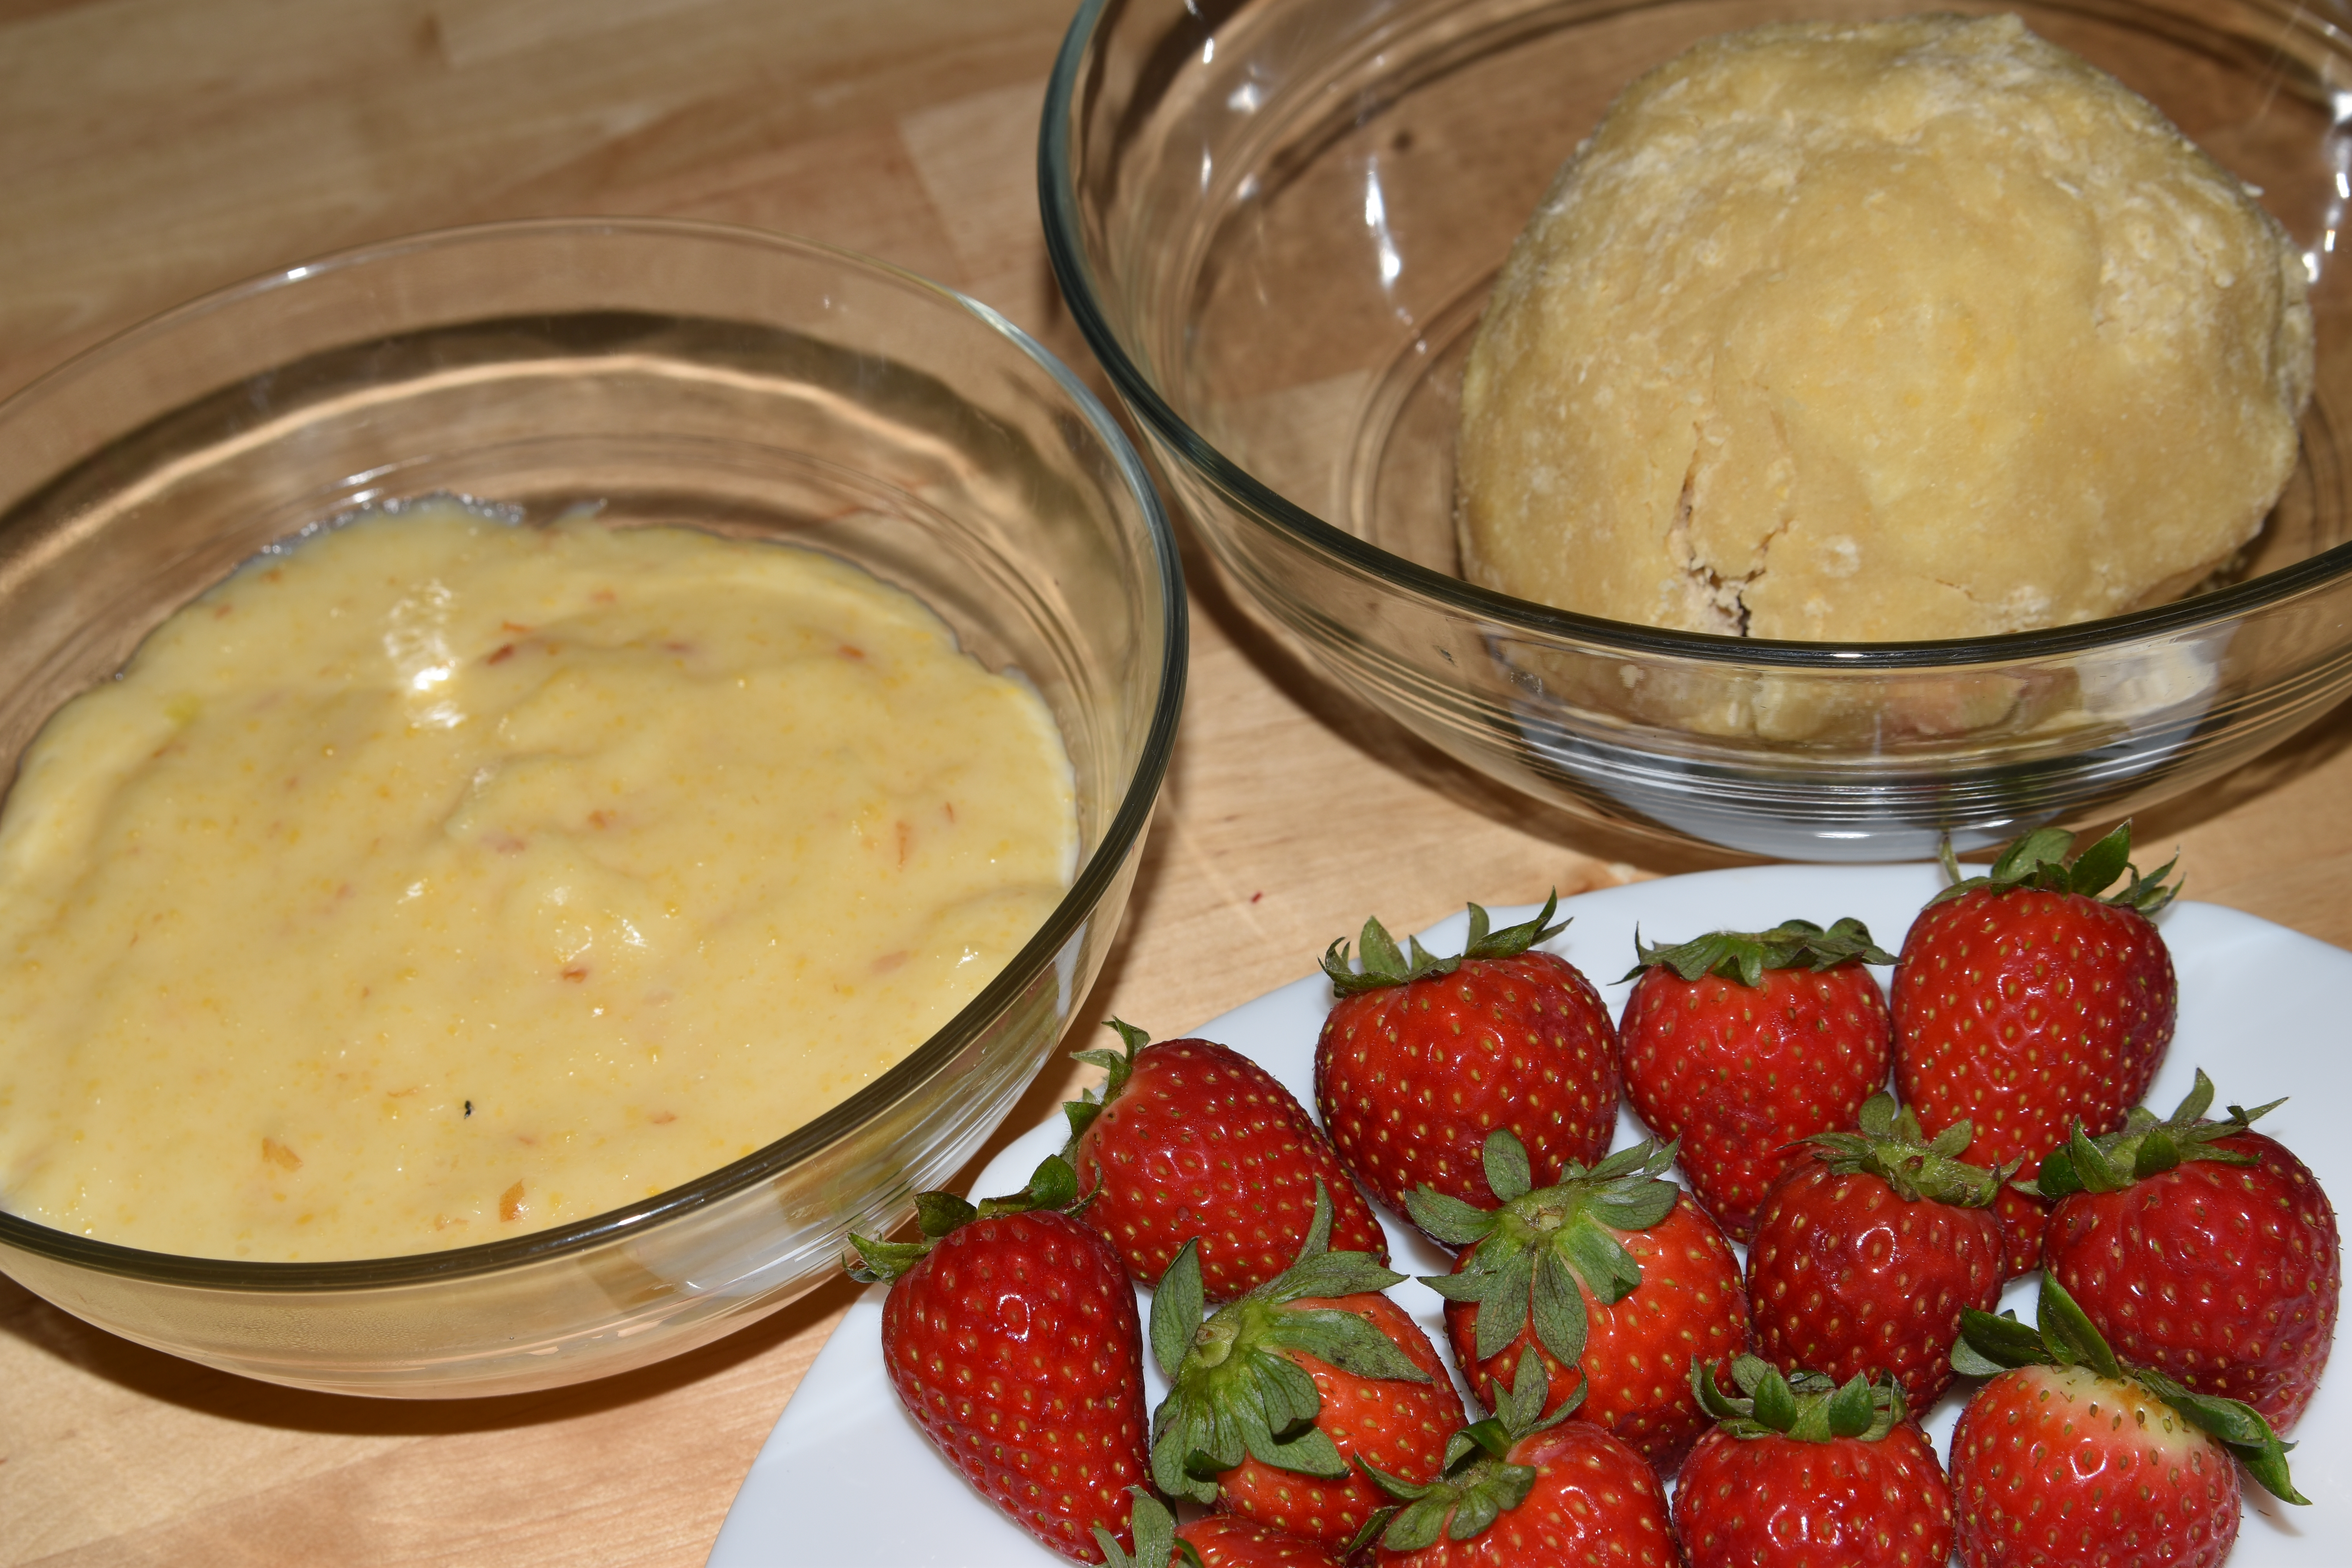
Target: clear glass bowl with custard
638 374
1278 223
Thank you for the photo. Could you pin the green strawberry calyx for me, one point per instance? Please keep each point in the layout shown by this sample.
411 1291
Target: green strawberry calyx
1233 1392
1117 1067
2146 1147
1988 1345
1890 1145
1054 1187
1479 1483
2039 860
1529 1256
1157 1545
1384 964
1745 955
1809 1406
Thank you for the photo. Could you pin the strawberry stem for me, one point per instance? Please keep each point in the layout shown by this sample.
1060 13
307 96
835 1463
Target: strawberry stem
1384 964
1529 1255
1479 1484
1053 1187
2065 1337
1890 1145
2039 860
2146 1147
1157 1545
1234 1393
1117 1067
1806 1405
1743 956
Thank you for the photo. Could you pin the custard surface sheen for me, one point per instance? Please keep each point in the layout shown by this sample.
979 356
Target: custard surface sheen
437 879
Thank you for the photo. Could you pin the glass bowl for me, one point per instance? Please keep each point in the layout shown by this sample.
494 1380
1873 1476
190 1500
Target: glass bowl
1276 222
669 373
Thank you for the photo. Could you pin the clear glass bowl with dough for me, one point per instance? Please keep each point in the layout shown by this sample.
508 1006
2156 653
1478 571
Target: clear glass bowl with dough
743 383
1277 223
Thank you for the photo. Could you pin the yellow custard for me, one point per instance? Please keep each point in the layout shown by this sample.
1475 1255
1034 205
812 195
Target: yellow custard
437 879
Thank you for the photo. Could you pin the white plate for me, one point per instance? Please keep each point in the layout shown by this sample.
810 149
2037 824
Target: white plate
2262 1010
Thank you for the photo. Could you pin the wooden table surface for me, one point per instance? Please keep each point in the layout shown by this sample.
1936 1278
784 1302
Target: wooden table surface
151 150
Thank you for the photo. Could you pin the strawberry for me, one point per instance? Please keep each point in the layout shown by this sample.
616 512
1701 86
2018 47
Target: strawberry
1522 1489
1220 1541
1229 1540
1805 1472
2203 1249
1192 1139
1276 1398
1738 1043
2024 1001
2070 1455
1010 1334
1423 1056
1611 1276
1865 1255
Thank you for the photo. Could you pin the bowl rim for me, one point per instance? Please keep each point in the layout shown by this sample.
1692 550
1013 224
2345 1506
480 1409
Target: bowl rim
1501 613
1118 839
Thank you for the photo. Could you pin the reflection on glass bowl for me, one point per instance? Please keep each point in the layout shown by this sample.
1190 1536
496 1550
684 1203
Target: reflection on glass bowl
660 373
1277 223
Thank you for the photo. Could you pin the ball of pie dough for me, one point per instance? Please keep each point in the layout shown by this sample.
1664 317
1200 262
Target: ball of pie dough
1906 329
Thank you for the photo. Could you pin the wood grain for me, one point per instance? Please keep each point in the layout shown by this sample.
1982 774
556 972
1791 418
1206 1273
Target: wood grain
151 150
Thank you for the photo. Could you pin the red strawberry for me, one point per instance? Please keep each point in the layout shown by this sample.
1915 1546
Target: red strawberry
1423 1056
1011 1336
1192 1139
2200 1248
1521 1490
1865 1256
1739 1044
1806 1473
1370 1420
1612 1275
1276 1399
1220 1541
1229 1540
2069 1456
2024 1002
